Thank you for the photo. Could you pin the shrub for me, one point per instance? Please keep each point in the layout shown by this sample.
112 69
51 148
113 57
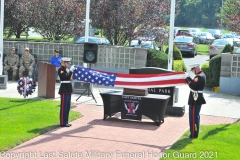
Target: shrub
205 69
157 59
214 71
160 59
227 48
177 55
179 66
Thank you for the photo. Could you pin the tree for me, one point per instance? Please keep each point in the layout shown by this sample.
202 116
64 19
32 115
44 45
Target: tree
17 16
50 18
58 18
231 15
198 13
119 18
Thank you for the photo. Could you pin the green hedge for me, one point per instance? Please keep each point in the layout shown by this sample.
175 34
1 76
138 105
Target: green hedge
214 71
227 48
205 69
177 55
160 59
157 59
179 66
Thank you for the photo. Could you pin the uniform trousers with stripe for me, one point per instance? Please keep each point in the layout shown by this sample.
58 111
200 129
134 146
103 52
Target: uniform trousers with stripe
65 108
194 120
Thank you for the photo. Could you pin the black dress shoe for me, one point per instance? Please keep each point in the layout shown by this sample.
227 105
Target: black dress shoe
66 125
191 137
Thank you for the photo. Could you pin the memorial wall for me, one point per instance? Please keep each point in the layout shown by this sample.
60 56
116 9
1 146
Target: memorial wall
110 58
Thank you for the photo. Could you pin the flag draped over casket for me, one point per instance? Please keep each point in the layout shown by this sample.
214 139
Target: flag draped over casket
137 81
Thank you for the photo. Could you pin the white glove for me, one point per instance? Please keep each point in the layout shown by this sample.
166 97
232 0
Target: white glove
67 70
72 68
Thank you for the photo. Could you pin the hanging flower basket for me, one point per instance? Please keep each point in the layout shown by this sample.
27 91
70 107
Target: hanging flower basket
30 86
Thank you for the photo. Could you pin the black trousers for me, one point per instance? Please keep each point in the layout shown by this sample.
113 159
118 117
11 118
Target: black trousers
65 108
194 120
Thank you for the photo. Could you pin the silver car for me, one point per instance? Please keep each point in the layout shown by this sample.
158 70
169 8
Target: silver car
144 44
230 37
218 45
206 38
194 31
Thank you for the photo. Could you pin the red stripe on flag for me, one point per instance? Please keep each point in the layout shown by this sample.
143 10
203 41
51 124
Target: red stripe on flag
62 114
193 121
163 82
120 75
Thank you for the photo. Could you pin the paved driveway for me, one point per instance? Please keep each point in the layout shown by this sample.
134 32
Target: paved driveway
197 59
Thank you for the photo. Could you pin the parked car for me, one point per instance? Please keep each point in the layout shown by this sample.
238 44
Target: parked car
234 33
230 37
145 38
183 32
186 45
98 40
194 31
216 33
205 38
176 30
144 44
217 46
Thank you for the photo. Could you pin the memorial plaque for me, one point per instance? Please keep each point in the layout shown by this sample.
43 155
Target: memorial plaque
80 87
164 91
3 81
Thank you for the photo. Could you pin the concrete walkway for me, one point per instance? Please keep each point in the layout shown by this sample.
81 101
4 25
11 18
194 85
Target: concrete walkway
91 137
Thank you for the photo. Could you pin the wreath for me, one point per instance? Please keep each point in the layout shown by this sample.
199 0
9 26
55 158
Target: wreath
30 86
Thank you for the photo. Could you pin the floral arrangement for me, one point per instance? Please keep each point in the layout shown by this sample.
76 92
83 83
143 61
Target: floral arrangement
215 89
30 86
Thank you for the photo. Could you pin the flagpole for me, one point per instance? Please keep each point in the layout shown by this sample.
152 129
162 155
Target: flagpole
1 35
171 35
86 40
87 24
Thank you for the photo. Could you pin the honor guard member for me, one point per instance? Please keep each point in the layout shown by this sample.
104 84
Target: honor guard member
27 62
196 98
11 61
65 90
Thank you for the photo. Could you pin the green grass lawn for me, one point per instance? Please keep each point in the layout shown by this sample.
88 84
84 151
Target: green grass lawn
36 39
203 49
214 142
24 119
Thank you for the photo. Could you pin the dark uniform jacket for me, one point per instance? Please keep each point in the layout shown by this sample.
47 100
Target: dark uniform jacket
197 84
65 76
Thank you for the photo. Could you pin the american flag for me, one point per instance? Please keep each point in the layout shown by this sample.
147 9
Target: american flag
137 81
